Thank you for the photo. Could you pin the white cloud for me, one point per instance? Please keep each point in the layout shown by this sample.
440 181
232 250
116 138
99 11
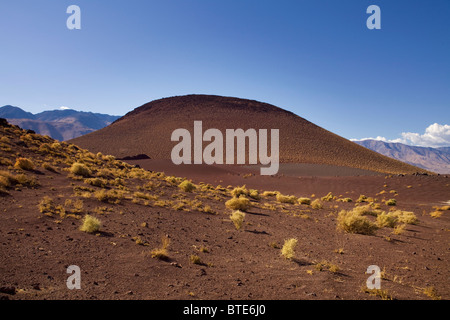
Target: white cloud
377 138
436 135
64 108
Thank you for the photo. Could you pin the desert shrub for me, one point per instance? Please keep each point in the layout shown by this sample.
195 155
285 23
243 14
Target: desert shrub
270 193
399 229
320 266
111 196
8 180
367 210
436 214
316 204
24 164
383 294
328 197
386 220
161 253
344 200
241 203
286 199
304 201
254 194
187 186
288 249
5 162
354 222
48 167
96 182
90 224
80 169
195 259
46 205
105 173
391 202
362 198
238 191
405 217
237 217
432 293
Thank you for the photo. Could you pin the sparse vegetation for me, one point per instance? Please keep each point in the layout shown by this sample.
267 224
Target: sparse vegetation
161 253
354 222
90 224
80 169
316 204
328 197
241 203
386 220
391 202
306 201
286 199
24 164
187 186
237 217
288 249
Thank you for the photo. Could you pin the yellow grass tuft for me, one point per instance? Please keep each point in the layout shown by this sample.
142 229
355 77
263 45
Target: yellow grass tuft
90 224
24 164
241 203
354 222
80 169
187 186
288 249
237 217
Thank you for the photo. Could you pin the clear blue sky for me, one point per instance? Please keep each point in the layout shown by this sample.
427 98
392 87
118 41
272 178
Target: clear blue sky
316 58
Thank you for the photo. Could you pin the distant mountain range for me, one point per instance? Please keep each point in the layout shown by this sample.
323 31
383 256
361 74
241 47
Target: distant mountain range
58 124
432 159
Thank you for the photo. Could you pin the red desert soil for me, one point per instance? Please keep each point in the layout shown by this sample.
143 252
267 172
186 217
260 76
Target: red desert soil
148 129
138 208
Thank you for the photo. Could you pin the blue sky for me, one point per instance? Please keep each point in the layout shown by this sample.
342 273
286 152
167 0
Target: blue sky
316 58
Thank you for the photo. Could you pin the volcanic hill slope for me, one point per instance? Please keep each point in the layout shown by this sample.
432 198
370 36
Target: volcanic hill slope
147 130
164 237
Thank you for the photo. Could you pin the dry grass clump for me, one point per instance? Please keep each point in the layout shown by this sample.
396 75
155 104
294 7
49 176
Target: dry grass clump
353 222
306 201
387 220
90 224
383 294
187 186
96 182
238 191
237 217
24 164
9 180
399 229
270 193
362 198
316 204
241 203
391 202
161 253
254 194
432 293
195 259
286 199
111 196
320 266
345 200
80 169
49 167
328 197
288 249
407 217
367 210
